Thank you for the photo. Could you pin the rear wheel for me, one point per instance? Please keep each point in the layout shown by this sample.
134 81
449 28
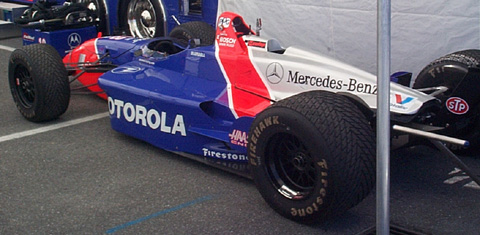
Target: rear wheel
312 156
448 71
38 82
99 9
145 18
194 30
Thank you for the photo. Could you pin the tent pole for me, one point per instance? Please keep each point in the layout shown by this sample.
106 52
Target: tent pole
383 116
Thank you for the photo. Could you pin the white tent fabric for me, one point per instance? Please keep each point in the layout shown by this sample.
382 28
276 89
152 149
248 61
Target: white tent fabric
346 29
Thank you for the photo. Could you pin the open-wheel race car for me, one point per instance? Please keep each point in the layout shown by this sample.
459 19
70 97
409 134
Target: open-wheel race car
300 124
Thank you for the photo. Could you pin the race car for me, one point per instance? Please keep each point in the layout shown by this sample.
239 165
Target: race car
300 124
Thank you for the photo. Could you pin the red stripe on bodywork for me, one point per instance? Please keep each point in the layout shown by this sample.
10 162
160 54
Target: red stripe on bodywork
398 98
247 87
88 53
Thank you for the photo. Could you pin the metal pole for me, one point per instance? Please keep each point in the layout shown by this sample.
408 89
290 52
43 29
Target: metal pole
383 116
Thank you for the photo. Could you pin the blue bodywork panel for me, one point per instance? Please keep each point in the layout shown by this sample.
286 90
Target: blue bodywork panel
176 102
63 40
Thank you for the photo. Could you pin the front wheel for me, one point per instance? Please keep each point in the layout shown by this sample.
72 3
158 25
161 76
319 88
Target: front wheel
38 82
312 156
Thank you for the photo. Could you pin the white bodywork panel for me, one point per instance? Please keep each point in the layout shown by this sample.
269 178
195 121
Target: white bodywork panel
298 70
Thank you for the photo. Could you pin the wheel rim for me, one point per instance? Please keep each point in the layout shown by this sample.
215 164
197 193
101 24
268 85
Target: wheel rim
290 166
24 86
141 18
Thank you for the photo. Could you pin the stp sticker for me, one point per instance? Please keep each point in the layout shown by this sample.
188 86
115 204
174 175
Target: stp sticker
457 105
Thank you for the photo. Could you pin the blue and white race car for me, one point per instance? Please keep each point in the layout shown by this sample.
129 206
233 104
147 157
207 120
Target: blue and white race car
300 124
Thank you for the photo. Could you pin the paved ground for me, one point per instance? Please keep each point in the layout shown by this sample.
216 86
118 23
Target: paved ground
87 179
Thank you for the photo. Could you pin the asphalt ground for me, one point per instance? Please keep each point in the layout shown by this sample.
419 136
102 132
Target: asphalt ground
75 175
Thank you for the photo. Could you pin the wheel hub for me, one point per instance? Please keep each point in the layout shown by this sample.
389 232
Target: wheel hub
24 87
147 18
299 161
290 166
141 18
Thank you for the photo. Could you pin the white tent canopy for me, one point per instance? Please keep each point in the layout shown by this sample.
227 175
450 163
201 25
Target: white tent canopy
346 29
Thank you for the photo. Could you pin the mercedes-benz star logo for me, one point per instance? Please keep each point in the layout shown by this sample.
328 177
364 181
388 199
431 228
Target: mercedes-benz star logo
274 73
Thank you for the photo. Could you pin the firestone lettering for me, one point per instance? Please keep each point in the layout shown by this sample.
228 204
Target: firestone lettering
224 155
327 82
140 115
322 194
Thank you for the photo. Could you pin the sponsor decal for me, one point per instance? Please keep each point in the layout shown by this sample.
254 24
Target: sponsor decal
197 54
224 22
151 118
401 101
125 38
74 40
352 85
126 70
457 105
257 44
42 41
238 137
223 155
28 38
118 37
146 61
274 73
226 41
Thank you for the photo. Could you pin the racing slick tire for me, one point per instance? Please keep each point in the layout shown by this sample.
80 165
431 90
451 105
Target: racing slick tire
448 71
38 82
194 30
312 156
